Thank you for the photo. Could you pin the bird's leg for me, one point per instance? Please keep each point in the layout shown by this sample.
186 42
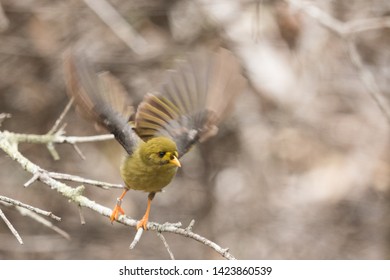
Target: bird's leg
118 209
144 221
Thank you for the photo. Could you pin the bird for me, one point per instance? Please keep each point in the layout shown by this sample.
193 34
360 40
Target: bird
186 108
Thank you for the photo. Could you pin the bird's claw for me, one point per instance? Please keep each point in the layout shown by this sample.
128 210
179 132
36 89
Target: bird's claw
142 223
115 213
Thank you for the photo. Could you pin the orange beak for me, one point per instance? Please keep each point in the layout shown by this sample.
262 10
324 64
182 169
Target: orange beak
175 161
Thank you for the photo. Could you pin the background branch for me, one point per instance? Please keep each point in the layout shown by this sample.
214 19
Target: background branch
345 31
78 179
28 213
4 116
110 16
11 227
368 24
54 129
29 207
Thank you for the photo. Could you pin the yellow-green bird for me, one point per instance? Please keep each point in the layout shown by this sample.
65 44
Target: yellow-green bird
184 110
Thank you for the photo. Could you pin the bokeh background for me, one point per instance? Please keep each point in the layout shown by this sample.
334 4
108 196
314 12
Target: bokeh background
299 170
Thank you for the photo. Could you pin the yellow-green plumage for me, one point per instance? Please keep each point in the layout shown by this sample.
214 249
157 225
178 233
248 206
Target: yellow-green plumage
186 109
147 169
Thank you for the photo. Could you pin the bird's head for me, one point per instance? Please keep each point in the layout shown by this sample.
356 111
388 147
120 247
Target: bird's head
160 151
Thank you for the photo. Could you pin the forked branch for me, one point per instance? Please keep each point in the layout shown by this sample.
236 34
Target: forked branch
8 143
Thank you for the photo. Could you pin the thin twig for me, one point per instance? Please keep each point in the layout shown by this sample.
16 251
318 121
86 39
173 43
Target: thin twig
78 151
320 16
81 215
119 25
172 228
11 227
83 139
52 150
137 237
159 234
32 180
61 117
43 221
55 131
368 80
342 29
4 116
368 24
73 178
191 225
29 207
49 225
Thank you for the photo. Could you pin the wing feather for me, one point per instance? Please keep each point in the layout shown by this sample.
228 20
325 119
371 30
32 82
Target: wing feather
101 97
192 101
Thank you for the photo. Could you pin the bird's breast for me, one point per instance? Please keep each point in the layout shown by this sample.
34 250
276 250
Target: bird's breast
149 178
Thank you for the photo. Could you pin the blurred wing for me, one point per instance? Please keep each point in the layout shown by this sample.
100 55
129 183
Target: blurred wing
101 97
192 101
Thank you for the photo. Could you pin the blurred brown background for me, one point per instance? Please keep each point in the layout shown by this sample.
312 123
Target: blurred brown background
300 170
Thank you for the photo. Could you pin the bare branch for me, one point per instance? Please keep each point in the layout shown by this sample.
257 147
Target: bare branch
57 139
47 223
4 116
342 29
191 225
39 219
368 80
75 195
159 234
61 117
55 131
137 237
83 139
29 207
78 151
345 31
224 252
52 150
367 24
81 215
11 227
31 181
73 178
320 16
119 25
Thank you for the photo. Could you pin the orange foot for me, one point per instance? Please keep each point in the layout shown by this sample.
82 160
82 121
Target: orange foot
115 213
118 209
142 223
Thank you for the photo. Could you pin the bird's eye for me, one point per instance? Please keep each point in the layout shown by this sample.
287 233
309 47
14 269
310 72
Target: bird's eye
161 154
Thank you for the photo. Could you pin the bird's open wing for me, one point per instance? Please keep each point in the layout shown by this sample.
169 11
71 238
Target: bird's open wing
192 101
101 98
